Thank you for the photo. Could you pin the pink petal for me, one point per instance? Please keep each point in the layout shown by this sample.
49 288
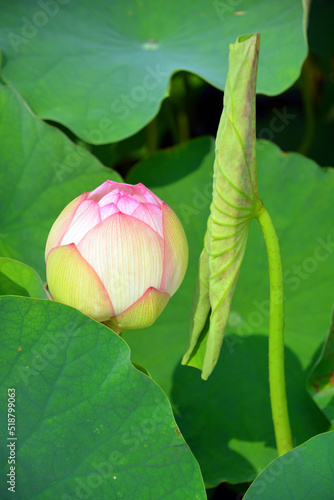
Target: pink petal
102 190
149 196
139 191
136 193
112 197
62 223
109 186
72 281
108 210
85 218
151 215
127 204
127 255
175 251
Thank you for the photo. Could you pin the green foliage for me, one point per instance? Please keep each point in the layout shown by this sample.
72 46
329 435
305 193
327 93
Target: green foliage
18 279
229 448
232 209
306 470
90 421
321 381
108 71
45 171
106 432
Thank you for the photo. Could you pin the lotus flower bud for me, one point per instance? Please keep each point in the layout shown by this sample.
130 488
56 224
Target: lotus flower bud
117 254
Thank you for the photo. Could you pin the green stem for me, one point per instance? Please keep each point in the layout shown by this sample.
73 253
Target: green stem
278 400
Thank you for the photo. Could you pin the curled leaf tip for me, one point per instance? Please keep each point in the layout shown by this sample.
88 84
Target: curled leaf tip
234 200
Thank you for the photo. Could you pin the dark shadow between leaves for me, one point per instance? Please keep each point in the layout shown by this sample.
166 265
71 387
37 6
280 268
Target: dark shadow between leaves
227 421
9 287
174 164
